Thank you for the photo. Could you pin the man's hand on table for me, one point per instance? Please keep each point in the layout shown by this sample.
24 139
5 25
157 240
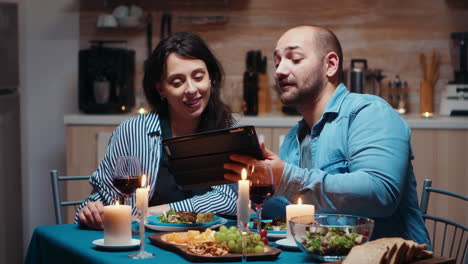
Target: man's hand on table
91 215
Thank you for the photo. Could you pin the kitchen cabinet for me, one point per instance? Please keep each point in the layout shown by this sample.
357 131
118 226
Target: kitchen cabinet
440 147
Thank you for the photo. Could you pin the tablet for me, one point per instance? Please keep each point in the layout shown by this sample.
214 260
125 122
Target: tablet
197 160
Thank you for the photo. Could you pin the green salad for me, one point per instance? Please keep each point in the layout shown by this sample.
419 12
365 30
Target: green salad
182 217
171 216
332 241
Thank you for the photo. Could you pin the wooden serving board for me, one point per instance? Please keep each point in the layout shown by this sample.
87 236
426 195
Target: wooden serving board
269 254
433 260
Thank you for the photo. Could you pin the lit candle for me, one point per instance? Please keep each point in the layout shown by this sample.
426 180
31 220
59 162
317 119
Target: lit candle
117 229
142 207
298 209
142 196
243 198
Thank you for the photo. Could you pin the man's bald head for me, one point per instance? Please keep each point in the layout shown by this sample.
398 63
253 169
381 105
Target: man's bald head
323 40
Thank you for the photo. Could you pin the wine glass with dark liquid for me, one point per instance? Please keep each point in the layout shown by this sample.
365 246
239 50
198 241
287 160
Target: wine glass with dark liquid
127 176
261 187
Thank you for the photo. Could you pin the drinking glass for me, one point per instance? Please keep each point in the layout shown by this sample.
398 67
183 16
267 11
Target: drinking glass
127 176
261 187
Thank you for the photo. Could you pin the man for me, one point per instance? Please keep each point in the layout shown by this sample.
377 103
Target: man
351 153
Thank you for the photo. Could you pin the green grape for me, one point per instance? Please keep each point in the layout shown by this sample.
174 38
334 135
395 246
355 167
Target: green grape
233 229
260 243
258 249
238 248
220 237
250 250
238 234
231 236
222 228
256 237
232 245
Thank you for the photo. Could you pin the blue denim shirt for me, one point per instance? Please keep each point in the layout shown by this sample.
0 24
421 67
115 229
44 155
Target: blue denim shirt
361 165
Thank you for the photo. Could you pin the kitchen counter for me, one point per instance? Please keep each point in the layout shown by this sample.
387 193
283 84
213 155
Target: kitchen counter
276 121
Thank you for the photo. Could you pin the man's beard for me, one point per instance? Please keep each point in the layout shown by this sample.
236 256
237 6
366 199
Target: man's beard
306 94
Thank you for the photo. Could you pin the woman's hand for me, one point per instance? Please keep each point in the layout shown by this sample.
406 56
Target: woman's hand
91 215
158 209
271 158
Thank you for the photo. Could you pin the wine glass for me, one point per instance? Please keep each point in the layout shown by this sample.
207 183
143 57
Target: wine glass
127 176
261 187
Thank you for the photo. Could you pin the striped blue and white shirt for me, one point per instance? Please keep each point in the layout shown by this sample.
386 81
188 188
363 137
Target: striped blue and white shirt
136 137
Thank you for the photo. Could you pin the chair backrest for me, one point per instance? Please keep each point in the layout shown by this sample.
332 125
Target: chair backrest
448 238
58 203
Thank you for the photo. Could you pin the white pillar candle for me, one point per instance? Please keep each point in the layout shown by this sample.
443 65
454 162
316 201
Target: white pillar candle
117 225
142 196
298 209
243 198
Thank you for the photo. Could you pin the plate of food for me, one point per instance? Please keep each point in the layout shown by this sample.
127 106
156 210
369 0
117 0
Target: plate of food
182 221
210 245
275 228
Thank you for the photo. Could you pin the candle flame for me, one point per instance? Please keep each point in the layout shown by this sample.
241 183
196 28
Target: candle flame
299 201
244 174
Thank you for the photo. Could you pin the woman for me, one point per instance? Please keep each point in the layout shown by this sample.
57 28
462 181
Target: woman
182 83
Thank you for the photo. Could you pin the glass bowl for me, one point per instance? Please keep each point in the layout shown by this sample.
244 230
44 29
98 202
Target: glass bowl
330 237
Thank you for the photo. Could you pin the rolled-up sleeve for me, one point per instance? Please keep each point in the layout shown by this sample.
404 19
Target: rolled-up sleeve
378 158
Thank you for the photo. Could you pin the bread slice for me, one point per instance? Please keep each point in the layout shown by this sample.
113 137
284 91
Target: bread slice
390 250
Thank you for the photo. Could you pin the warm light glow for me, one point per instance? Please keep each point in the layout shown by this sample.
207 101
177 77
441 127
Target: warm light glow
117 203
141 110
143 180
299 201
244 174
427 114
123 107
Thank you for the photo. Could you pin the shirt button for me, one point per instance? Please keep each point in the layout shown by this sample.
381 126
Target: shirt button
315 138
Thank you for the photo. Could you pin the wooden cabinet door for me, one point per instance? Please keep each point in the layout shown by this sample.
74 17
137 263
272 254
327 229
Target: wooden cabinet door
82 152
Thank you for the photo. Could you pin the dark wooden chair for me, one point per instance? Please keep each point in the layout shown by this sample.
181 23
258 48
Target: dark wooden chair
448 238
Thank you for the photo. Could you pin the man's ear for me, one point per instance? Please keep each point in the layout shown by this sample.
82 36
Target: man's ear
332 62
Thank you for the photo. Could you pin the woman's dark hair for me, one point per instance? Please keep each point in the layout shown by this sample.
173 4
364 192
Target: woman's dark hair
216 115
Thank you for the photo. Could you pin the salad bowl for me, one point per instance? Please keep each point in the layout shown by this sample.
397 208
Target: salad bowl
330 237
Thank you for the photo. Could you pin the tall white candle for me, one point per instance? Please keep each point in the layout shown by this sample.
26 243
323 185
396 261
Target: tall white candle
142 207
117 225
298 209
243 198
142 196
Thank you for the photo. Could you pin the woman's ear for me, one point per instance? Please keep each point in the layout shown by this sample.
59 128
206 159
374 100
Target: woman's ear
159 89
332 62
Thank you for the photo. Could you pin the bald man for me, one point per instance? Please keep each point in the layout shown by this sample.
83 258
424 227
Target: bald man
351 153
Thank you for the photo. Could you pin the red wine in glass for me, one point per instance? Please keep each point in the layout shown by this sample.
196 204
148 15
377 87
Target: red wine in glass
261 186
259 192
127 176
129 185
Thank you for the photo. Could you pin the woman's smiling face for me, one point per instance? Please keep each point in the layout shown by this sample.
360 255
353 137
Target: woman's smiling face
186 87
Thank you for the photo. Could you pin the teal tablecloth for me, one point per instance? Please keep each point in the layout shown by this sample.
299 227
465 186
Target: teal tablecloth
69 244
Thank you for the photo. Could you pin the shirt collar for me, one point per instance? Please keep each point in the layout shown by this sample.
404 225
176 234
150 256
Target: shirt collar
334 105
153 124
331 109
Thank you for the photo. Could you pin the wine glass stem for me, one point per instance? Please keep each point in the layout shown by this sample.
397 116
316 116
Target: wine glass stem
258 209
128 199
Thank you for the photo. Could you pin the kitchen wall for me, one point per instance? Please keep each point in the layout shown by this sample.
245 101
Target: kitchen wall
389 34
49 41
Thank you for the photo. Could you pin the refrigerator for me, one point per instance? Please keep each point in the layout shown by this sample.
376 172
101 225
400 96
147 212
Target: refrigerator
10 148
